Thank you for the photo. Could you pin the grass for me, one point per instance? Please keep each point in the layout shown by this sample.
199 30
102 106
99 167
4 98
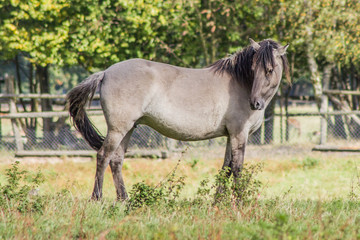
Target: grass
314 195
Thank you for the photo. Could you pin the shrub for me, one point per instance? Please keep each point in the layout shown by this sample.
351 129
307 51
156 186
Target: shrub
166 192
20 192
241 191
310 162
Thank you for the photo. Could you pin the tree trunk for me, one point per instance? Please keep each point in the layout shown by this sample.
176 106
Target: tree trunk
354 128
19 81
42 76
324 103
315 77
31 130
25 123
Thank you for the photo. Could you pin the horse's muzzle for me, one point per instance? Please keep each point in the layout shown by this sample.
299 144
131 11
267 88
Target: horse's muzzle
257 104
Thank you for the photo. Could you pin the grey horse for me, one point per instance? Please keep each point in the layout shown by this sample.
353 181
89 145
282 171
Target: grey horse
228 98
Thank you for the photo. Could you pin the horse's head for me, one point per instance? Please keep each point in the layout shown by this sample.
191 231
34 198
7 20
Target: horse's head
269 62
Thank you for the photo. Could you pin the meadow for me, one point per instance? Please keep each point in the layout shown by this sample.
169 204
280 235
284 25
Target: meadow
290 193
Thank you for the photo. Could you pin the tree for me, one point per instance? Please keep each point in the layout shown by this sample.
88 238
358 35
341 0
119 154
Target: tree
321 33
324 36
37 31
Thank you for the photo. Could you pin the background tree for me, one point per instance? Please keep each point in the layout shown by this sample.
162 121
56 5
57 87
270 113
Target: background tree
41 37
324 38
34 30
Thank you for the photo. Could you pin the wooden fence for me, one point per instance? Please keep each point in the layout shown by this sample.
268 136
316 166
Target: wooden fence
14 115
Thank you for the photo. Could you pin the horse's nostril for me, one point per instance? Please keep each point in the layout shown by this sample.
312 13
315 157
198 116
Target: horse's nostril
257 104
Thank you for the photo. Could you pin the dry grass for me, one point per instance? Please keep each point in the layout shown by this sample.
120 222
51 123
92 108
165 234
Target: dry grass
317 206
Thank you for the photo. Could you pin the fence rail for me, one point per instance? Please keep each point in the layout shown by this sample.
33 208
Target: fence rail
38 96
45 114
96 112
334 113
343 92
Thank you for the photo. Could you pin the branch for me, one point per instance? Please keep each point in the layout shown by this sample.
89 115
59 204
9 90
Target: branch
344 106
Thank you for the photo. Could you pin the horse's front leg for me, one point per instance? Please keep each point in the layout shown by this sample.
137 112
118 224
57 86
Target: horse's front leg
225 167
234 159
228 157
238 144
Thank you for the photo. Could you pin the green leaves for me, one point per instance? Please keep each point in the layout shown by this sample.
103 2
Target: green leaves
20 192
36 27
329 28
186 33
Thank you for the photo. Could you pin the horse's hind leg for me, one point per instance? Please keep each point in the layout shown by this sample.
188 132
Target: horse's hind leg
104 155
116 164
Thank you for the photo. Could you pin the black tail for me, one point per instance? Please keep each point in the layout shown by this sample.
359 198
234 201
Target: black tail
77 98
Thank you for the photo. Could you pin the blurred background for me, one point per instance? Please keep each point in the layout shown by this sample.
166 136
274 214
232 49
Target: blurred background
48 47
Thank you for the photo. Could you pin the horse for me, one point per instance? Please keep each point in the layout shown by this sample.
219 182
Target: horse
227 98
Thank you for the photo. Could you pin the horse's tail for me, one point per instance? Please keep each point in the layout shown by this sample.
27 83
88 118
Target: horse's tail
77 98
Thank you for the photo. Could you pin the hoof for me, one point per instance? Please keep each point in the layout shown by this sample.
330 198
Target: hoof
122 198
96 197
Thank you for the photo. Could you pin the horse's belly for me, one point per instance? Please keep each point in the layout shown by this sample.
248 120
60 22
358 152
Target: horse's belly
185 128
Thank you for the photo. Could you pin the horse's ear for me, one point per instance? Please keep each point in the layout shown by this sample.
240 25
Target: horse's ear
282 50
254 44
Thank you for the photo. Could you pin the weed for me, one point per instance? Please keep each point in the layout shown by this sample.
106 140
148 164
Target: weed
20 191
243 190
355 187
227 191
203 192
193 162
112 210
126 166
248 187
309 162
166 192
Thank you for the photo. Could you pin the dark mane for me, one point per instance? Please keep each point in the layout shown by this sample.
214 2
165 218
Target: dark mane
239 65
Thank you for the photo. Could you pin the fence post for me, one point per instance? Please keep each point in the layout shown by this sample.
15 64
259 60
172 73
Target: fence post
9 83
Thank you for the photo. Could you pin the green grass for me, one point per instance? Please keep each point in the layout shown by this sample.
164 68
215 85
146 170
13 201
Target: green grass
66 217
302 197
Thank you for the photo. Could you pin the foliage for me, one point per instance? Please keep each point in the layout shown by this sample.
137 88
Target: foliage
188 33
310 162
36 27
167 192
226 191
229 191
329 28
20 192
